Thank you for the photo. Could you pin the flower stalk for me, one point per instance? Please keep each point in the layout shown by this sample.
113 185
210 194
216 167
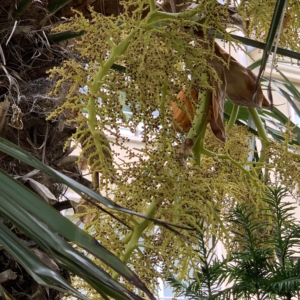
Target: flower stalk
233 117
199 124
261 133
152 5
137 232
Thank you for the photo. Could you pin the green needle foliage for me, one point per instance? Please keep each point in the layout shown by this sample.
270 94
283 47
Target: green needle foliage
285 240
208 275
264 265
263 262
248 263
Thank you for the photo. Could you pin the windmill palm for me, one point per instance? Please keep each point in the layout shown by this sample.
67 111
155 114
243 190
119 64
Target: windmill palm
28 50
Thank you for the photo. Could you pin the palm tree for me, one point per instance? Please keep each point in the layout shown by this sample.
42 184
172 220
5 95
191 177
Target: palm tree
28 49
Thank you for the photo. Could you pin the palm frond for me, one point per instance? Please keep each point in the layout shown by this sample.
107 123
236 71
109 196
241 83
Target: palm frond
55 5
277 16
21 8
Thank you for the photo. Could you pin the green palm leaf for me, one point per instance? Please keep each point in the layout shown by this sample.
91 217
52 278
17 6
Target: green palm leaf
63 36
55 5
33 265
14 193
21 8
278 11
18 153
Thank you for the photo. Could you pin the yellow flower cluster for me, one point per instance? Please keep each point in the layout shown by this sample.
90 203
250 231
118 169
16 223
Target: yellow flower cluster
257 16
161 56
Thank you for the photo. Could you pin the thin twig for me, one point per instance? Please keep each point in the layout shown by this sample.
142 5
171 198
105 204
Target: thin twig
173 6
12 32
2 56
44 144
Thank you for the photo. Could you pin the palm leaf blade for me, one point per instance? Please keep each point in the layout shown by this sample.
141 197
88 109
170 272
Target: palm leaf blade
29 201
34 266
55 5
278 11
67 256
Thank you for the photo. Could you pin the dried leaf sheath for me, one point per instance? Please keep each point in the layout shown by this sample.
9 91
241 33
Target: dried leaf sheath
236 82
184 115
240 81
216 111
